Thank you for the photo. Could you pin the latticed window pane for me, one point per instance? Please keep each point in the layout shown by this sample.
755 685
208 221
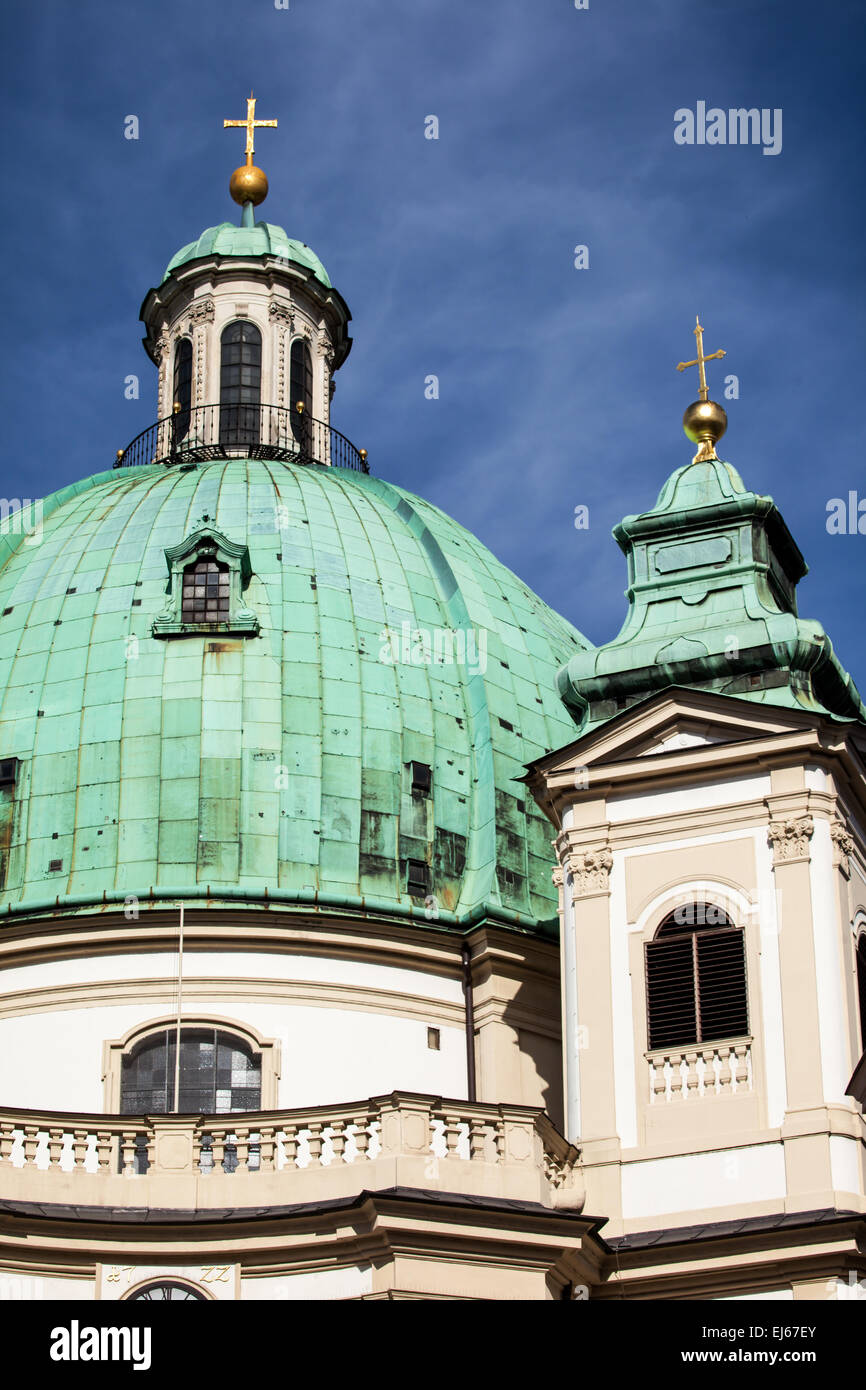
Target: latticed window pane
210 1062
240 383
182 388
301 388
696 980
206 593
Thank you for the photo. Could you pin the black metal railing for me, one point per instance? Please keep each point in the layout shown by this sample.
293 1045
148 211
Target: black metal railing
205 432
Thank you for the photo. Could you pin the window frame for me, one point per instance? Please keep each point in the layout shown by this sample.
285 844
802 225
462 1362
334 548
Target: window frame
114 1050
207 544
669 931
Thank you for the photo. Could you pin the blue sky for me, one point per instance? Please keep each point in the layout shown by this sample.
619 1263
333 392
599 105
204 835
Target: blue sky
557 386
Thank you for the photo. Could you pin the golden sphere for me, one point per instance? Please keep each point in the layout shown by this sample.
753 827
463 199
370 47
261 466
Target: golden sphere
249 184
704 420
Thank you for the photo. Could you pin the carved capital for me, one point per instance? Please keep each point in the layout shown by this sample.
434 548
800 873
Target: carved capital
558 875
843 845
590 871
201 311
281 312
161 347
790 838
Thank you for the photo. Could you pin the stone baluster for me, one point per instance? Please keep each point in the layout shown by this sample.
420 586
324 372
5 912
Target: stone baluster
740 1065
451 1134
31 1143
242 1148
218 1148
290 1145
105 1149
361 1136
658 1079
314 1142
338 1140
7 1140
709 1087
676 1075
80 1145
267 1148
725 1072
477 1138
692 1077
56 1137
127 1152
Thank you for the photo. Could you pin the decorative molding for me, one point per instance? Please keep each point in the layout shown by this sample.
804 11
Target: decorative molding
202 311
590 871
843 846
790 838
281 312
161 347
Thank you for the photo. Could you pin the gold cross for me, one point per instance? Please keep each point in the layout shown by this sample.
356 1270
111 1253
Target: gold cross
699 361
251 123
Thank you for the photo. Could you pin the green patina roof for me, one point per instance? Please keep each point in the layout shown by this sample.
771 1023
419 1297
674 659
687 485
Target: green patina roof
276 762
262 239
713 571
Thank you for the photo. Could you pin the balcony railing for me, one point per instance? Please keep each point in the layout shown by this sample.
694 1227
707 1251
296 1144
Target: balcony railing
692 1073
206 432
288 1156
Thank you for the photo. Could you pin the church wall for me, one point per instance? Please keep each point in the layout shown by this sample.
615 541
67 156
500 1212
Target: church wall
678 1145
351 1281
701 1182
15 1287
345 1029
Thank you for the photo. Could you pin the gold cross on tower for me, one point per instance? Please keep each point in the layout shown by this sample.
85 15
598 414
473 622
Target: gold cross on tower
251 124
704 420
249 185
704 391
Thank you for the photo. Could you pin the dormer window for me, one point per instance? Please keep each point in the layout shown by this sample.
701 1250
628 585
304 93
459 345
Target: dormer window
206 592
208 576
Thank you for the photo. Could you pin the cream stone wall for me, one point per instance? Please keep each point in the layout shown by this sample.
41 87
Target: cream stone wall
280 317
748 821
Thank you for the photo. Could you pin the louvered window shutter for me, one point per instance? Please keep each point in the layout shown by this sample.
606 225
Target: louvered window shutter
696 986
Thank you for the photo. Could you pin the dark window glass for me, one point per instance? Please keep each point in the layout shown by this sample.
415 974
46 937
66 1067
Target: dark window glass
182 388
696 979
219 1074
240 383
861 986
206 593
301 388
417 878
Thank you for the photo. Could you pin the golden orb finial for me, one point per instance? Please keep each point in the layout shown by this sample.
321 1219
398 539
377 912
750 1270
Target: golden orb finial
249 184
704 421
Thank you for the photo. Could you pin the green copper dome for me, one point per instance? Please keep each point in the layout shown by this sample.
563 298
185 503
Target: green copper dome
263 239
281 758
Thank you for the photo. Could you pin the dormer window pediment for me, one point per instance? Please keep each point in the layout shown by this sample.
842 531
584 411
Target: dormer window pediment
207 578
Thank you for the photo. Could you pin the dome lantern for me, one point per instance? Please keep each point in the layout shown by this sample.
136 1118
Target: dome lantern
244 323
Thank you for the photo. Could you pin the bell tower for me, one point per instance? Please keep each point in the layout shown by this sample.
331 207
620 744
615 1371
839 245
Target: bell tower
712 875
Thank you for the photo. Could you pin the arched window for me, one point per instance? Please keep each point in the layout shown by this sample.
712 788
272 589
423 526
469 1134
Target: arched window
301 388
219 1074
182 391
240 383
206 596
696 979
162 1290
861 986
